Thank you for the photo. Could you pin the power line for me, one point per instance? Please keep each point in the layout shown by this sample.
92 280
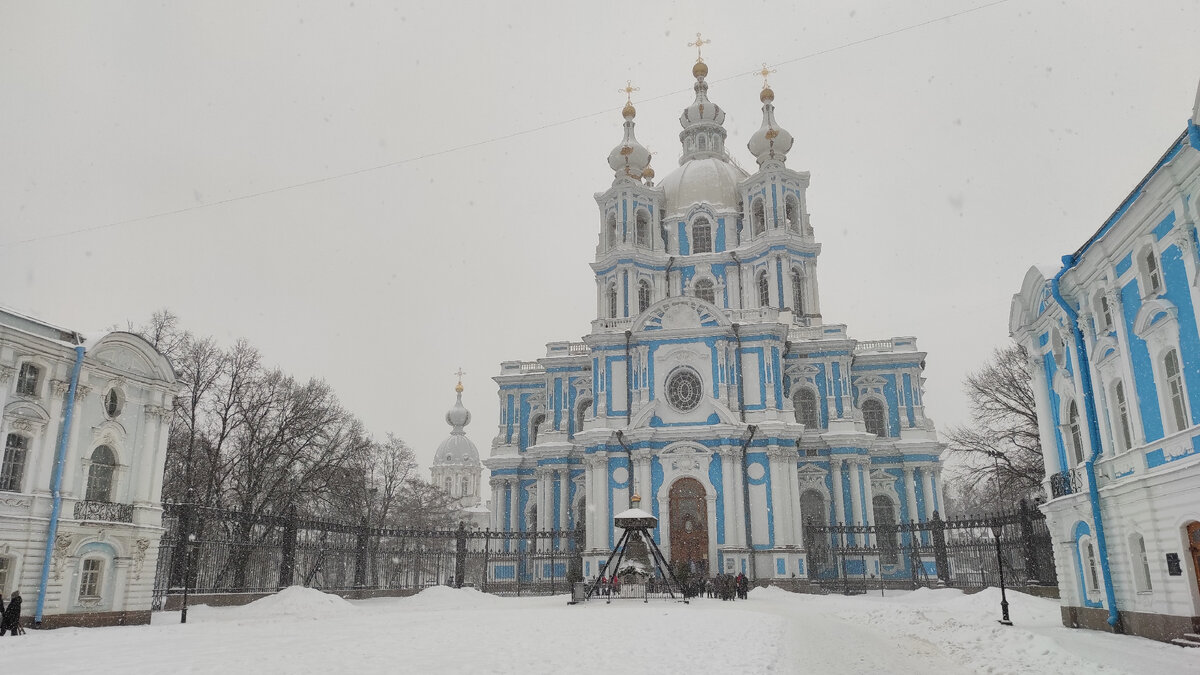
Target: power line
468 146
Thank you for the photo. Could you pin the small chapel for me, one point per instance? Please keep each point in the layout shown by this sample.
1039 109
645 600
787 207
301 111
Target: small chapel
710 385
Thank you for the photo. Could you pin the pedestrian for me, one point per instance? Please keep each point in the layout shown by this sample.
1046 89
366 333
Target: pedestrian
616 585
11 619
743 586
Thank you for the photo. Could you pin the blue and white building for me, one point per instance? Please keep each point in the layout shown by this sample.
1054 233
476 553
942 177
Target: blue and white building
710 384
1115 357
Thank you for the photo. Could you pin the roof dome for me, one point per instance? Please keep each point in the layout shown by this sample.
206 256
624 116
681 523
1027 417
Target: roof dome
711 179
771 141
457 449
629 158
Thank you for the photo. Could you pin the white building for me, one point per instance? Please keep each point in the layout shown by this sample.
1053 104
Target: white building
1115 355
104 407
709 384
457 470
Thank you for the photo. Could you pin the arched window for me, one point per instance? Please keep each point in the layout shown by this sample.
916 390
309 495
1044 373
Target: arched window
1091 573
1123 416
1141 563
643 295
447 485
804 400
643 229
91 574
812 508
1076 435
533 428
764 290
703 289
612 230
100 474
1153 274
885 529
874 417
797 292
112 403
1104 311
12 470
466 489
702 143
758 223
584 409
702 236
27 380
1175 389
791 209
612 299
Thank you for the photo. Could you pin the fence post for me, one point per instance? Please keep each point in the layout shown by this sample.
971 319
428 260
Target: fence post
487 554
460 554
183 513
360 557
287 563
1028 546
939 548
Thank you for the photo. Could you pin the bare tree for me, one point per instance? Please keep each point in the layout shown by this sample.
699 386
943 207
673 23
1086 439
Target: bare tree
1001 448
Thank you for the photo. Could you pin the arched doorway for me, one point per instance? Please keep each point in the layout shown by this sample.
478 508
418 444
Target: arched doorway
689 524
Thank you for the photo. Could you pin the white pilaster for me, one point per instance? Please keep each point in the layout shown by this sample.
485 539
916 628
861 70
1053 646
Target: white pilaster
839 505
927 490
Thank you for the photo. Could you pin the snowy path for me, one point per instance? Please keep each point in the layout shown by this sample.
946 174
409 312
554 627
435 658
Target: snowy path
448 631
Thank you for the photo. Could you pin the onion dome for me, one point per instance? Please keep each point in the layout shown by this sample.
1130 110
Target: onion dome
457 449
629 158
702 135
771 141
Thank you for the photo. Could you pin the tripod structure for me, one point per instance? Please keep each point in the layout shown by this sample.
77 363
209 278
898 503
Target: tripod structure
638 523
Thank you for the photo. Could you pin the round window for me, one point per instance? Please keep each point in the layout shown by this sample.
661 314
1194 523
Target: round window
112 403
684 389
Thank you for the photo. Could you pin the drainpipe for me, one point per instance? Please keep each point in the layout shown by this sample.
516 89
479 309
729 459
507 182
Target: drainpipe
629 458
1089 408
741 392
667 273
746 499
741 295
628 380
56 485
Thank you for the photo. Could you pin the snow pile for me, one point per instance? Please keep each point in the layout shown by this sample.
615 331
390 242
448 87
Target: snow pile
298 602
450 598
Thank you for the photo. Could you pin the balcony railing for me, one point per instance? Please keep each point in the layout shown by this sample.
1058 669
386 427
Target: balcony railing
105 511
1067 482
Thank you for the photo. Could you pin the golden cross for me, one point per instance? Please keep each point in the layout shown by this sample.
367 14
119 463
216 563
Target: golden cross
700 42
460 373
764 73
628 90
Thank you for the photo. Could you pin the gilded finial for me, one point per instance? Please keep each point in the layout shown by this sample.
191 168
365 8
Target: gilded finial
698 44
764 73
628 89
459 388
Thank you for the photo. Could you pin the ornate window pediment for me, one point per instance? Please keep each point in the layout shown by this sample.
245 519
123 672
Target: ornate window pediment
1155 315
680 314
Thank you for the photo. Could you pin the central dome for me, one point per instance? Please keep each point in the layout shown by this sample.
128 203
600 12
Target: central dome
710 180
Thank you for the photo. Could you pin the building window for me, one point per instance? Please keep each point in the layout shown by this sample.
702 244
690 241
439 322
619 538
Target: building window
1104 309
874 417
612 230
757 220
1076 434
1153 274
1175 389
100 474
1141 563
702 236
27 380
533 428
465 488
12 470
791 208
885 530
797 292
1123 416
642 229
447 482
584 409
89 578
764 290
703 289
805 403
643 295
684 389
1091 572
5 565
612 300
812 508
112 403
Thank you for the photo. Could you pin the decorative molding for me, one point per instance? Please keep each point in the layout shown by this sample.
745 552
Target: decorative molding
139 556
17 502
60 387
6 373
62 543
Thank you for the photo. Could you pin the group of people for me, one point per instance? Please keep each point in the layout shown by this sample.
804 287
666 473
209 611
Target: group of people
10 616
608 587
728 587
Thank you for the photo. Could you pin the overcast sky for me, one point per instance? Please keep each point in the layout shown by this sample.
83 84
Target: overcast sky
945 159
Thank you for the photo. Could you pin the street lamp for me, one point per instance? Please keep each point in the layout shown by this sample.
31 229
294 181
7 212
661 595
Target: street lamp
187 573
997 530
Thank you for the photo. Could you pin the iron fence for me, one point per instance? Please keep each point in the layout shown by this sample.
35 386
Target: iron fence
962 552
213 550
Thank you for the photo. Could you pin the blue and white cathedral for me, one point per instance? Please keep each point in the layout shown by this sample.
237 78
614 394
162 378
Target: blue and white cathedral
709 384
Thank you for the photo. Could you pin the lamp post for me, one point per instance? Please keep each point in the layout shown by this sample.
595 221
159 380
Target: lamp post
187 573
997 529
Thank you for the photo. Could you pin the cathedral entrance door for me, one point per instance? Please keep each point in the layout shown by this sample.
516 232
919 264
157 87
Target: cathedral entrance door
1193 533
689 524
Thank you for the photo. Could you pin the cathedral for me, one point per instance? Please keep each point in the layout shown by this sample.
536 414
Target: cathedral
710 385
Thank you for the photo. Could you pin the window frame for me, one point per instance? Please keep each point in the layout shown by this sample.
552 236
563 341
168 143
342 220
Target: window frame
27 386
758 217
797 279
13 479
641 229
1076 432
763 285
1175 389
1126 439
706 290
645 295
101 474
702 223
96 582
610 297
883 416
791 212
802 411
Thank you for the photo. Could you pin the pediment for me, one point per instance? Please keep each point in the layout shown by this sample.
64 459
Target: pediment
1153 314
680 314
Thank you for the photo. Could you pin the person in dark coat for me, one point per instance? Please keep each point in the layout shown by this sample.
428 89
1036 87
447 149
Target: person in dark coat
743 586
11 620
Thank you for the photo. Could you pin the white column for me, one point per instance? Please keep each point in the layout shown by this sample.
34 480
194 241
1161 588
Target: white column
731 496
514 501
910 492
496 506
794 503
1041 399
779 499
589 496
839 505
43 459
564 495
927 489
603 521
855 493
739 501
868 498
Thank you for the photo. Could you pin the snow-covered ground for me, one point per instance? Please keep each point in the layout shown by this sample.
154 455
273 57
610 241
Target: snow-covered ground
443 630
